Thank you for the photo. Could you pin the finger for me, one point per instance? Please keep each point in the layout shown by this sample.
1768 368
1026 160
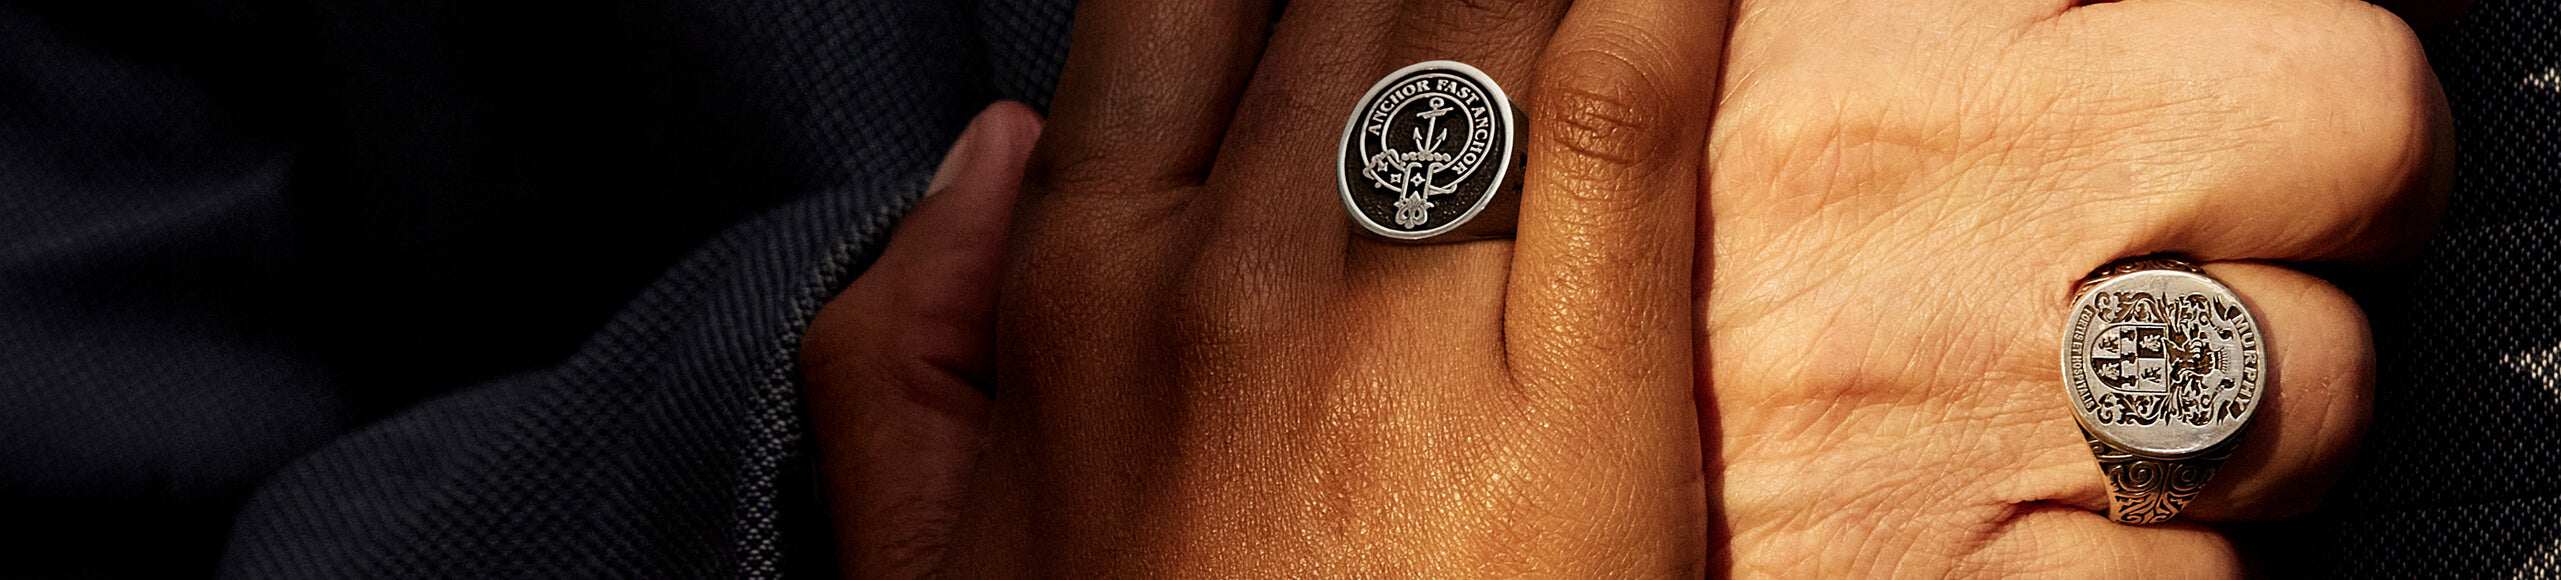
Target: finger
2427 16
2050 541
1600 285
1277 161
2381 142
1597 315
1277 233
2318 396
890 362
2303 147
1501 37
1147 91
1505 39
1325 56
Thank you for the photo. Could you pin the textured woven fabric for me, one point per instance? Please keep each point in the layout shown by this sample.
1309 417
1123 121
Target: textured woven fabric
2461 471
671 444
427 289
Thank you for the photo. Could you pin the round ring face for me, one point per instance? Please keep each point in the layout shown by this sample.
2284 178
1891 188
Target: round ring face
1427 150
2163 363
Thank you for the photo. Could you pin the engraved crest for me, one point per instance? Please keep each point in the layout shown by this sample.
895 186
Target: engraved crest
1426 150
1410 173
2131 358
2162 362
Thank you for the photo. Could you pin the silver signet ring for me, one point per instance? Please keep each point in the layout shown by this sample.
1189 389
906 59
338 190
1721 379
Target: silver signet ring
2165 367
1431 156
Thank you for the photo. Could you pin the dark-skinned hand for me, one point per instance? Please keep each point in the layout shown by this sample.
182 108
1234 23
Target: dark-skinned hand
1200 371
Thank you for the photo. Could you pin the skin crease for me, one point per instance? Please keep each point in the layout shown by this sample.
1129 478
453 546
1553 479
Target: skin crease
1903 194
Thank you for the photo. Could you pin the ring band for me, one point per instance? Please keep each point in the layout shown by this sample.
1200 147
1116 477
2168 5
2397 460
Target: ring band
2164 366
1430 156
2143 491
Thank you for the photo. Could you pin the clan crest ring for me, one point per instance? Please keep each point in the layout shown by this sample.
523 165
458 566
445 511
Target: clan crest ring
1429 157
2164 366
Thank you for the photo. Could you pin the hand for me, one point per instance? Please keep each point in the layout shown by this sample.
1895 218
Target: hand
1905 195
890 362
1204 373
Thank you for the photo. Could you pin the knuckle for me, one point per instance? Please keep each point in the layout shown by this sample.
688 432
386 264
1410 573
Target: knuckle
873 349
1521 11
2373 20
1503 7
933 383
2387 151
1601 120
2397 82
1484 18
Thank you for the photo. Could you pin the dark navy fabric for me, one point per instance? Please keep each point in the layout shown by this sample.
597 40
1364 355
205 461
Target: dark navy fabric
406 289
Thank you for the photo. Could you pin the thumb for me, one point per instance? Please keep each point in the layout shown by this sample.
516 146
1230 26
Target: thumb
890 362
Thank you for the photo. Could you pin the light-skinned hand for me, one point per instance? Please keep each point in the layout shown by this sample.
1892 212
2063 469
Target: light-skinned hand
1907 192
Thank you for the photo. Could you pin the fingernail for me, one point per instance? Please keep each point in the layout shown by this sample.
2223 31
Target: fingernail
963 153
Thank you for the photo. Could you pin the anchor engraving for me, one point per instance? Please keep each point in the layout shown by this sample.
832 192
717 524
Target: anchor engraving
1409 173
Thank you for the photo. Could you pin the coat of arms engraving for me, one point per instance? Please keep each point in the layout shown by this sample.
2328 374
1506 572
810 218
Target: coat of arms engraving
2171 358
